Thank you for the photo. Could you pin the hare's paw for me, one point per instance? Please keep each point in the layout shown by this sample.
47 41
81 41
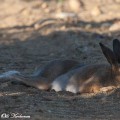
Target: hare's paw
56 86
107 89
71 88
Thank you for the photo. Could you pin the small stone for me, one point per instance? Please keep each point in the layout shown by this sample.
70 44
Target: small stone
115 26
95 11
63 27
36 26
26 12
88 26
74 5
44 5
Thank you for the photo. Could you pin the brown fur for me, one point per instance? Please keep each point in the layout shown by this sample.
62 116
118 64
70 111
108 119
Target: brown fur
62 75
93 78
45 77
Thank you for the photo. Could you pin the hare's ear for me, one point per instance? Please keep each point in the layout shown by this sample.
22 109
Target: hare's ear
109 55
116 49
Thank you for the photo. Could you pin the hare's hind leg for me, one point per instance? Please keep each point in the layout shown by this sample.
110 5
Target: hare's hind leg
37 82
89 87
107 89
72 88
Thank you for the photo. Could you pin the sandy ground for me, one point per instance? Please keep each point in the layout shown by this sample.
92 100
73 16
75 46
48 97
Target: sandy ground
32 33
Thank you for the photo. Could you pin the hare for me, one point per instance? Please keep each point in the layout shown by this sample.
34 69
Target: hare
69 76
43 77
93 78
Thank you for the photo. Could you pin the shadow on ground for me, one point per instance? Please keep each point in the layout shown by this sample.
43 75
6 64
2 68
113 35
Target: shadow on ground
25 49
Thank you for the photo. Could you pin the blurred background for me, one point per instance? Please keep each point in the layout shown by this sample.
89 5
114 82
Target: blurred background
26 12
34 32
